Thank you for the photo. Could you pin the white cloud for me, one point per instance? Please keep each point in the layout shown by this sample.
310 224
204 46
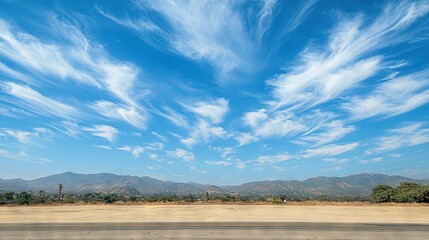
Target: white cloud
197 30
10 155
104 131
391 98
336 161
128 114
284 123
195 169
254 119
16 75
279 124
323 75
298 89
69 55
410 134
224 151
213 111
21 136
35 102
68 128
208 114
203 131
329 150
263 160
373 160
27 136
136 151
245 138
240 164
219 163
265 16
154 167
183 154
101 70
155 146
30 52
330 132
188 142
173 116
103 147
162 138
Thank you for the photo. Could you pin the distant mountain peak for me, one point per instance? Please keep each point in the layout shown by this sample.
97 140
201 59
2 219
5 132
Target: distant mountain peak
357 184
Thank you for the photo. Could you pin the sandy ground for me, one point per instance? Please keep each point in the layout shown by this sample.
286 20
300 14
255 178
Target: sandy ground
215 213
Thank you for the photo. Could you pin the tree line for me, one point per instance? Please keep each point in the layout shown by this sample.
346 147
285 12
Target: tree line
406 192
30 198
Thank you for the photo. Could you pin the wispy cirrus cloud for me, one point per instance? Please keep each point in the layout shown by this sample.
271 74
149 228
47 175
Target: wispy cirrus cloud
244 138
267 160
196 30
11 73
279 124
213 110
104 131
182 154
265 16
28 136
208 114
329 132
224 151
36 102
12 155
329 150
172 115
70 55
284 123
161 137
219 163
323 75
35 55
407 135
204 131
68 128
129 114
391 98
136 151
103 147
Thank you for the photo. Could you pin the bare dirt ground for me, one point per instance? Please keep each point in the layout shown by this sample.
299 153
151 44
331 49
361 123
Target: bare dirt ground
410 214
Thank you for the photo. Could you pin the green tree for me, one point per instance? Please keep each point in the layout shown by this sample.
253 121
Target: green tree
2 199
110 198
411 192
23 198
405 192
407 186
382 193
9 196
40 198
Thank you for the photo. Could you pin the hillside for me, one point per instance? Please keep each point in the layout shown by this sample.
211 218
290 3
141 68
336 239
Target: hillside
355 185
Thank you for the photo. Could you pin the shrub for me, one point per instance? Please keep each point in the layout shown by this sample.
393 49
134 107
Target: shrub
405 192
23 198
382 193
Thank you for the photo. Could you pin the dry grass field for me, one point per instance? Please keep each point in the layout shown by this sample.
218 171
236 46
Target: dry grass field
316 212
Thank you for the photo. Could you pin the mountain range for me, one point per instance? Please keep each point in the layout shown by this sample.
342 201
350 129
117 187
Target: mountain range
354 185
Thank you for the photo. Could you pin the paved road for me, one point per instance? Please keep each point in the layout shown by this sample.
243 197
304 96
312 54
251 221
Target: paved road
218 231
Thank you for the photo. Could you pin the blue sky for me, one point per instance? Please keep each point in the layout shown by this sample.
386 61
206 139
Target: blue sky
220 92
